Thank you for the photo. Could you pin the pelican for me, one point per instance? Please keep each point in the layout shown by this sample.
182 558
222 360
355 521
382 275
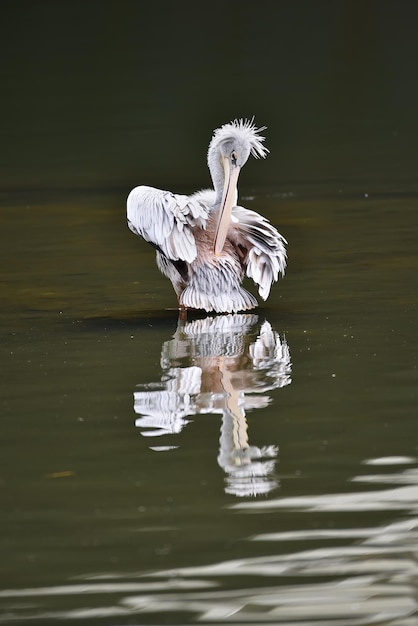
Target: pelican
205 242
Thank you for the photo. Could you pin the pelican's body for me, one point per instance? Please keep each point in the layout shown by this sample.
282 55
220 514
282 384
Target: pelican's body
205 243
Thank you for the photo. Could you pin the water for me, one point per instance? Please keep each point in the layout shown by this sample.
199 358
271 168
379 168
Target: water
257 468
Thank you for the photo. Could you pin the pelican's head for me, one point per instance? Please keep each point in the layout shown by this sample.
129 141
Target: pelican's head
241 137
229 150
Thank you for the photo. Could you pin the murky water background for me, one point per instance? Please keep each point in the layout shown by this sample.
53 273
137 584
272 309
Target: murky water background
234 469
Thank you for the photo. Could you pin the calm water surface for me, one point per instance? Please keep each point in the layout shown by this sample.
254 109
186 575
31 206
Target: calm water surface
241 469
244 468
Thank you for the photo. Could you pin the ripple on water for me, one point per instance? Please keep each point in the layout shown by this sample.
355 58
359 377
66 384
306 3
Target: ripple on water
347 577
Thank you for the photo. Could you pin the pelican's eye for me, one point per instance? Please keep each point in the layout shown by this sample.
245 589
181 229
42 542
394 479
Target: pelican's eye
234 157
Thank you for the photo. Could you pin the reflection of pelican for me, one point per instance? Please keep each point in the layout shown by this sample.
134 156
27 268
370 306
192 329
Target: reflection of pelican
205 244
219 365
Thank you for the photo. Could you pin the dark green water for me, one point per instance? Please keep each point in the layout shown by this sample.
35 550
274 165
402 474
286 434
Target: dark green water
150 509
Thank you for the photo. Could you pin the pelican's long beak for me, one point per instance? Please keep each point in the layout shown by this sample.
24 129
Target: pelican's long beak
229 199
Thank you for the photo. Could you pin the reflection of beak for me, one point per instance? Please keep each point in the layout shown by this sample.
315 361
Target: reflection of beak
229 198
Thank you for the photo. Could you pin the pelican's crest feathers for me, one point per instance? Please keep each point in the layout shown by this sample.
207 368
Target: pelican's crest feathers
244 130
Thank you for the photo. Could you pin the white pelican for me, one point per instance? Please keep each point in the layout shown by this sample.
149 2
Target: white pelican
205 243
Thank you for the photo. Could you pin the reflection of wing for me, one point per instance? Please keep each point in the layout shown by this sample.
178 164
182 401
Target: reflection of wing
262 245
166 220
271 355
166 409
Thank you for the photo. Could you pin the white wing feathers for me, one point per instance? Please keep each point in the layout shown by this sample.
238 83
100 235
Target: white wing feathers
265 246
165 220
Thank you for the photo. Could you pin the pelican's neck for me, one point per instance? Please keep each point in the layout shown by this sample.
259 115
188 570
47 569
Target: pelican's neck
217 173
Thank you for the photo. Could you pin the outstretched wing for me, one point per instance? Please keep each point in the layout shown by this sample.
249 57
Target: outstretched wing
166 220
261 246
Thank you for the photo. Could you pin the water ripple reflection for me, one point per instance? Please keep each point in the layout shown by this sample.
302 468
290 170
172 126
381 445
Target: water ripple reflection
222 365
349 576
369 576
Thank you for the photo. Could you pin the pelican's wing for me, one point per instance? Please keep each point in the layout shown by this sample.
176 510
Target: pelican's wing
166 220
262 247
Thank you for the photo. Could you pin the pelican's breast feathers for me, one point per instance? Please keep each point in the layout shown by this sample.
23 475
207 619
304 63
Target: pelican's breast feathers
166 220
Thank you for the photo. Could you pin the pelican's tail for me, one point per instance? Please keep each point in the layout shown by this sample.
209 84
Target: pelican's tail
217 287
232 301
